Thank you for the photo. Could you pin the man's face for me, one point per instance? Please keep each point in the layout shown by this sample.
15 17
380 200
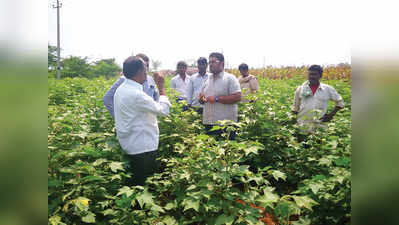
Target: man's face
202 67
142 74
181 70
215 66
244 73
313 76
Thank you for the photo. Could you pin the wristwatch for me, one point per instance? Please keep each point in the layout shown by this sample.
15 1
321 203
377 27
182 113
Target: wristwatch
217 99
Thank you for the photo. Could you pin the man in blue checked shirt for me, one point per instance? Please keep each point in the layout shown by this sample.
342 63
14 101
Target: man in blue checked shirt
149 88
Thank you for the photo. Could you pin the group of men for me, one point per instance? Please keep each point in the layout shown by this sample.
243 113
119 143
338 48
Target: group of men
136 99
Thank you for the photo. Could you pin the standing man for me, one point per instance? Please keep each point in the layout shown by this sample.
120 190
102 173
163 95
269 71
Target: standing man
220 95
195 85
180 81
248 82
136 118
311 100
149 87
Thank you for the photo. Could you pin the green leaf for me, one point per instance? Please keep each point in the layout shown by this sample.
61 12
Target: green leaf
315 187
302 221
278 174
304 201
224 219
56 220
157 208
116 176
115 166
252 149
169 220
145 198
268 198
90 218
190 204
109 212
99 162
170 206
125 190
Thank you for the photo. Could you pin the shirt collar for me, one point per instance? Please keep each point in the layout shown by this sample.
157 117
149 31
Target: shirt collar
219 75
321 85
134 84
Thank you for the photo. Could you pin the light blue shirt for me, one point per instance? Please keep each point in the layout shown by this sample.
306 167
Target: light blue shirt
194 88
149 88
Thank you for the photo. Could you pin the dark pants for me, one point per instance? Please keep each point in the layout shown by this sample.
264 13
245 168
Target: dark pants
218 133
143 165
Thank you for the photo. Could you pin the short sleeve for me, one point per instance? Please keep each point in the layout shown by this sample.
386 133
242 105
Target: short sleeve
234 85
337 98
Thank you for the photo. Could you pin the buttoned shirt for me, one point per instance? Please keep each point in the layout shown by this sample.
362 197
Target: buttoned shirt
136 118
311 107
194 88
180 85
149 88
222 84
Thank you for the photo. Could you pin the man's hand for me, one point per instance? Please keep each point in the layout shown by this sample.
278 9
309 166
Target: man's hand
159 79
201 98
211 99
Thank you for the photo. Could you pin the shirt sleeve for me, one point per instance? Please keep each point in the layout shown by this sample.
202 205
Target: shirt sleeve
297 100
190 89
172 84
336 97
234 85
145 103
109 96
253 83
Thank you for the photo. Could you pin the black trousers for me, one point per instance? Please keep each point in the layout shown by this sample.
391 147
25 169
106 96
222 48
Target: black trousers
143 165
218 133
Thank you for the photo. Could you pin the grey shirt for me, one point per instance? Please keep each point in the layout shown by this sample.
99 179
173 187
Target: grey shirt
149 88
222 84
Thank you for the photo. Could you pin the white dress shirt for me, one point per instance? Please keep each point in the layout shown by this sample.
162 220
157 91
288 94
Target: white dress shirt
136 117
311 107
180 86
194 89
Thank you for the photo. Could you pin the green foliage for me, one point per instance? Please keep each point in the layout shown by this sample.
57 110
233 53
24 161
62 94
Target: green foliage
202 180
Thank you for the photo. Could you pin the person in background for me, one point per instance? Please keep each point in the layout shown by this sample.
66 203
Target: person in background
149 88
220 94
136 118
311 101
249 84
195 85
180 81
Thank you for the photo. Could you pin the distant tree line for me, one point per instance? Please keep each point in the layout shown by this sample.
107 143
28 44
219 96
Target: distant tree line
76 66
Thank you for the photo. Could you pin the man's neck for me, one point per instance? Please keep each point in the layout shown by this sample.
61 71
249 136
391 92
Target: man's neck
314 84
202 73
182 76
138 81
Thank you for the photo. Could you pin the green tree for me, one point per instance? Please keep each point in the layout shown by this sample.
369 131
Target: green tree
75 66
52 57
106 67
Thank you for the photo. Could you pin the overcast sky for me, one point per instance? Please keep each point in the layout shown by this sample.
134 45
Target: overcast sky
255 32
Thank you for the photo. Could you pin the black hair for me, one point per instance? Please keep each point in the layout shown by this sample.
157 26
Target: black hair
132 65
317 68
202 60
143 57
181 63
243 66
217 55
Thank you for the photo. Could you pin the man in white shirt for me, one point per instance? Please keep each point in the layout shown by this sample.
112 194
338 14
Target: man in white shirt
149 88
180 81
220 94
136 118
311 101
195 85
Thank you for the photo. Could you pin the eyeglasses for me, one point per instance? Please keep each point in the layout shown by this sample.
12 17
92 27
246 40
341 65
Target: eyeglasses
212 62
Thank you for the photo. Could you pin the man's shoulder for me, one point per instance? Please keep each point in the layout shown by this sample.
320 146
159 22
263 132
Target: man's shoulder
326 86
230 76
